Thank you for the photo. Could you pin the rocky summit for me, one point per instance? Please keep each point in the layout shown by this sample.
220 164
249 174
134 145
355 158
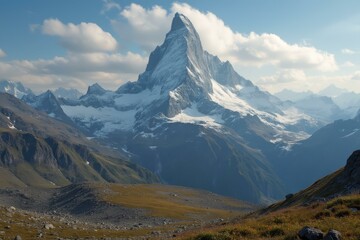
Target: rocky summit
188 99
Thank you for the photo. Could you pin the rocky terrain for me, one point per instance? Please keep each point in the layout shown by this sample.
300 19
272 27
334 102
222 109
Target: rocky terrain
93 211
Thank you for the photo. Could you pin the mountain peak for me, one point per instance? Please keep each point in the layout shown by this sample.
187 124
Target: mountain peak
332 91
14 88
95 89
180 21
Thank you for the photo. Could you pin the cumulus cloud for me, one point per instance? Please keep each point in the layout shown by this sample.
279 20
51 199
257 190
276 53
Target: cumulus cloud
76 70
91 57
2 53
347 51
109 5
83 37
147 27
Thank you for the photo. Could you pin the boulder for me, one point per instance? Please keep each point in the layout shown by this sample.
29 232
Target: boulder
333 235
48 226
18 237
309 233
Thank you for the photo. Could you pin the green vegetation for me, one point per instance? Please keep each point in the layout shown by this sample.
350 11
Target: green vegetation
47 162
342 214
175 202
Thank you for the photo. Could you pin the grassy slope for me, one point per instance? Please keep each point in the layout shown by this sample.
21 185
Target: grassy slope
81 164
175 202
322 188
284 224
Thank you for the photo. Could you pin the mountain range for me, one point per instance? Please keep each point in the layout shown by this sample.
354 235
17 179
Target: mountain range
193 121
189 99
37 150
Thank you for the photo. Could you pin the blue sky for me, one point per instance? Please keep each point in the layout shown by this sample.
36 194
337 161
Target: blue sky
299 45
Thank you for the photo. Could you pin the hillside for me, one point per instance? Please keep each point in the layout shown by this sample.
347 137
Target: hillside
332 202
322 153
36 150
345 181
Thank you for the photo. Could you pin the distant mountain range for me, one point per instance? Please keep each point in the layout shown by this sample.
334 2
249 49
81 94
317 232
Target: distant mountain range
330 104
14 88
193 121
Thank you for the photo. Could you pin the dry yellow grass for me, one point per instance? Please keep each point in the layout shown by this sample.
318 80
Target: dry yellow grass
339 214
172 202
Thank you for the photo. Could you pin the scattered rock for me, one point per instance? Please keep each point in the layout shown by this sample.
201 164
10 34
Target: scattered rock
309 233
354 210
155 233
333 235
18 237
11 209
48 226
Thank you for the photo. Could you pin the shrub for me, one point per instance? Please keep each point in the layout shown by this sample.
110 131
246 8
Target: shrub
209 236
343 213
278 220
273 232
323 214
291 237
240 232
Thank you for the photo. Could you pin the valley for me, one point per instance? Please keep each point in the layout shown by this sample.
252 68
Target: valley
167 123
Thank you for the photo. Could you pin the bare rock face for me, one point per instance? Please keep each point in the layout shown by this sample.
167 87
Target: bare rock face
310 233
352 168
333 235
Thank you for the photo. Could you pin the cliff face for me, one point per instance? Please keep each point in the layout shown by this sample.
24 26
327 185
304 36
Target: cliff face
40 161
36 150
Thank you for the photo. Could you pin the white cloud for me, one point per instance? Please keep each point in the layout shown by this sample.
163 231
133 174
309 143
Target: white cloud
109 5
356 76
253 49
284 76
348 64
75 70
347 51
147 27
2 53
84 37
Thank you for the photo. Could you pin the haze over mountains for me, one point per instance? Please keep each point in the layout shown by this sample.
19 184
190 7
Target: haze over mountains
193 121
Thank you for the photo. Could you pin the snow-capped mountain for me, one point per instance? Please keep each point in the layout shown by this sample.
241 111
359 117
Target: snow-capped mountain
67 93
188 99
14 88
183 83
48 103
321 107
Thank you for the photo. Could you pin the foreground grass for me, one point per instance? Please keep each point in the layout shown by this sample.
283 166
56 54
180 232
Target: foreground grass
342 214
